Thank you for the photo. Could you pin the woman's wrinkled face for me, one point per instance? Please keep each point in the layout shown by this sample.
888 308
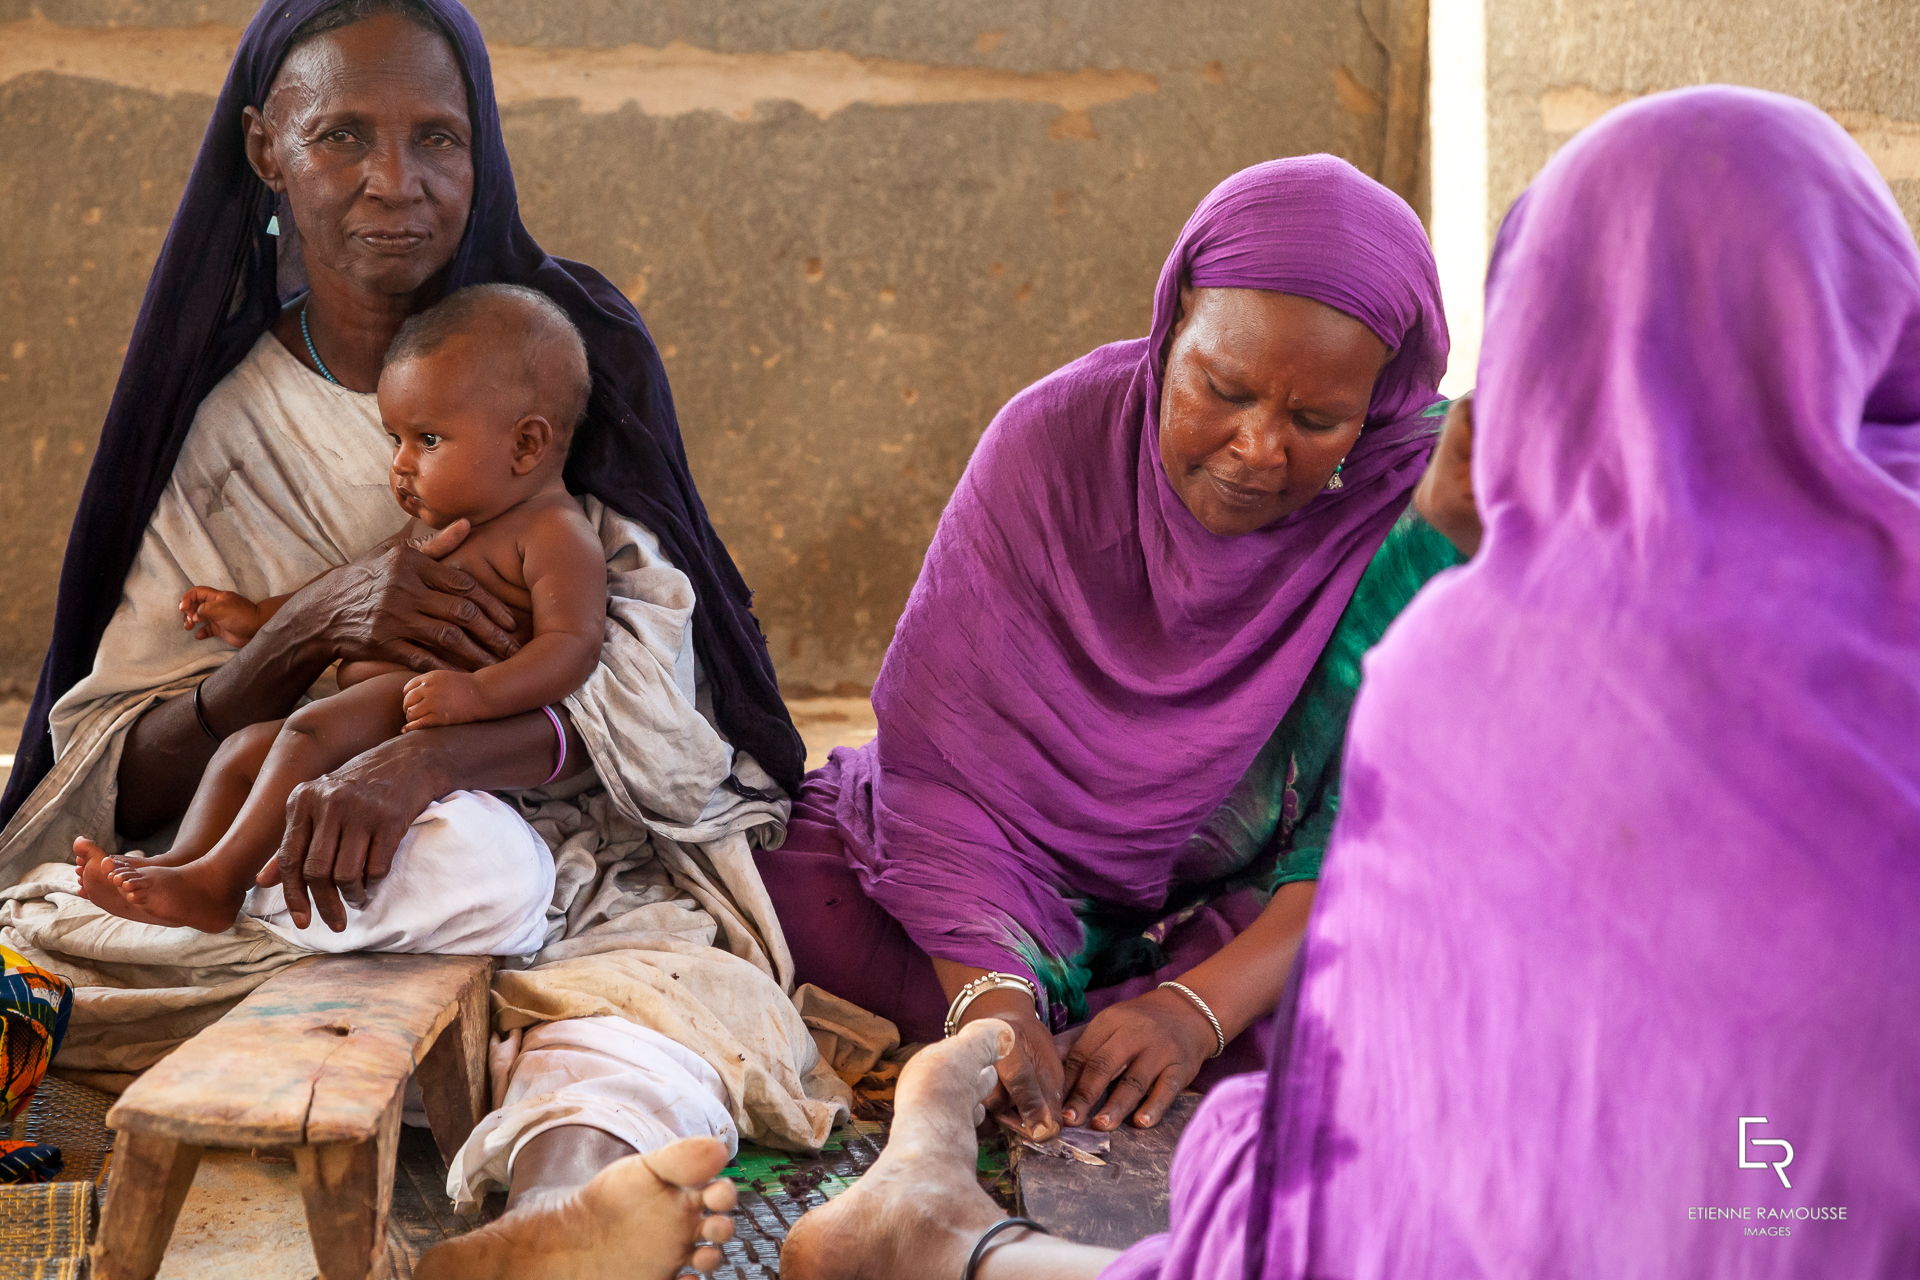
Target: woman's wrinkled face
1264 394
366 132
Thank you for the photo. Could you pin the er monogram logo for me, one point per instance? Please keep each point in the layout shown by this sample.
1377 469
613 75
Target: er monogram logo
1779 1166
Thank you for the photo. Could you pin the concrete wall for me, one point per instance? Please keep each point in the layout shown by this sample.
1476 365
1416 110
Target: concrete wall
855 227
1554 66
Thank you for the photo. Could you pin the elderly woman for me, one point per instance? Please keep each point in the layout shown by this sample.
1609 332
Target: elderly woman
1110 720
354 172
1613 969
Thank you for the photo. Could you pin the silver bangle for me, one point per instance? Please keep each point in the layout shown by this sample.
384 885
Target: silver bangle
986 982
1219 1034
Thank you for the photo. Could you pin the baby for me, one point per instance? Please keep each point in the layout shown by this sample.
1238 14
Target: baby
480 396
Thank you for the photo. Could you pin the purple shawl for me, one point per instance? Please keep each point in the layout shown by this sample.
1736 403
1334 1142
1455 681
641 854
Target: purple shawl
1082 671
214 292
1630 843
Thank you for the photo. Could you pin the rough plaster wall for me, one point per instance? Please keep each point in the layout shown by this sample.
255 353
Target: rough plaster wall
855 229
1554 66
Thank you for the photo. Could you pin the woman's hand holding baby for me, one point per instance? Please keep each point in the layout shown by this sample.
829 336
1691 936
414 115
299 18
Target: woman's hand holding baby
400 604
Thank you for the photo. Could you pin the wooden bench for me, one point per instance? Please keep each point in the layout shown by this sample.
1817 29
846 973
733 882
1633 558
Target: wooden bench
315 1062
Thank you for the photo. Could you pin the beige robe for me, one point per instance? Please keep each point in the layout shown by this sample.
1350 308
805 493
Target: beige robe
658 913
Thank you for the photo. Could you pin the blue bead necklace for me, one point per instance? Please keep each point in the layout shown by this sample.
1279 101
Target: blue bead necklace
306 333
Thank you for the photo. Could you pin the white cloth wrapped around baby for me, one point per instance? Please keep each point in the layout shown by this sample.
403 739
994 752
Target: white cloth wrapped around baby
470 878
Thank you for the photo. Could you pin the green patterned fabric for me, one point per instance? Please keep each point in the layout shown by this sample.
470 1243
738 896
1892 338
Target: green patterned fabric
1274 825
1305 749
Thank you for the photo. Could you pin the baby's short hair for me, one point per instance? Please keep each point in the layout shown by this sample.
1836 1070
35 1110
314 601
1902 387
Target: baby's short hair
554 358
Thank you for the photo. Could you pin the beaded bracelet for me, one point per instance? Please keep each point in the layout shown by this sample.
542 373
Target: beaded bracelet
986 982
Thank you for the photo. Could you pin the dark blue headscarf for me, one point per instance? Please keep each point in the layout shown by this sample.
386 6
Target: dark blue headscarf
215 290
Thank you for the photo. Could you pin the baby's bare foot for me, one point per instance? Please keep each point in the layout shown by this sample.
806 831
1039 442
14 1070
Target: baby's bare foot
97 886
192 896
920 1209
178 856
85 854
639 1219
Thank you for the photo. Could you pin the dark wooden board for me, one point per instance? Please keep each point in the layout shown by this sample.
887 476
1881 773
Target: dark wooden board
1114 1205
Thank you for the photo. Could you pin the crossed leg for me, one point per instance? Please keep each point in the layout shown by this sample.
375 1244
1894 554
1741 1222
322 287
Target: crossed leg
223 790
917 1212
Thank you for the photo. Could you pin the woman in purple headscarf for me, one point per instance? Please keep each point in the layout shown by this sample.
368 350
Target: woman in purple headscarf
1110 719
1612 973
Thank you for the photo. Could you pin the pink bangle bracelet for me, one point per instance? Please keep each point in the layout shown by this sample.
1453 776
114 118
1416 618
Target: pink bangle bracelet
560 738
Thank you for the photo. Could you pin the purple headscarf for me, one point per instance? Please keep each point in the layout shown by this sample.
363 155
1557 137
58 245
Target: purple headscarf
1083 671
1630 841
213 293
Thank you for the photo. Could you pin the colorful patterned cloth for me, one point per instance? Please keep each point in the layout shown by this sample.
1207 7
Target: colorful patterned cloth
34 1005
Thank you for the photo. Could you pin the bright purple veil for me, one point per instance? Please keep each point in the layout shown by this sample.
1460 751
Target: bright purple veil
1083 671
1630 840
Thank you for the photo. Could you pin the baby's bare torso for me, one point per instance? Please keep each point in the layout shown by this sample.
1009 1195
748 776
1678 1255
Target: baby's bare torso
495 552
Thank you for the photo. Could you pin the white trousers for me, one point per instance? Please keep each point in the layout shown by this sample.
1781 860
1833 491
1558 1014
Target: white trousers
470 878
604 1073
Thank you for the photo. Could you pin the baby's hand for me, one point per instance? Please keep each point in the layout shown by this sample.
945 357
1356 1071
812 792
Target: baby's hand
209 611
442 698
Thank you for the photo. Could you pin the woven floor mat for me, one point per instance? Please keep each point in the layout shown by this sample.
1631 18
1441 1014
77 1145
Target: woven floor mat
45 1227
776 1187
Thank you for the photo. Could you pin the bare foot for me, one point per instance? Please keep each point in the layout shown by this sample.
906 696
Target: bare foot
639 1219
193 895
97 886
919 1210
135 889
178 856
89 859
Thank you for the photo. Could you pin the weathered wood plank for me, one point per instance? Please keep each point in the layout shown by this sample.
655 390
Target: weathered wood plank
1114 1205
151 1175
453 1074
315 1055
347 1187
